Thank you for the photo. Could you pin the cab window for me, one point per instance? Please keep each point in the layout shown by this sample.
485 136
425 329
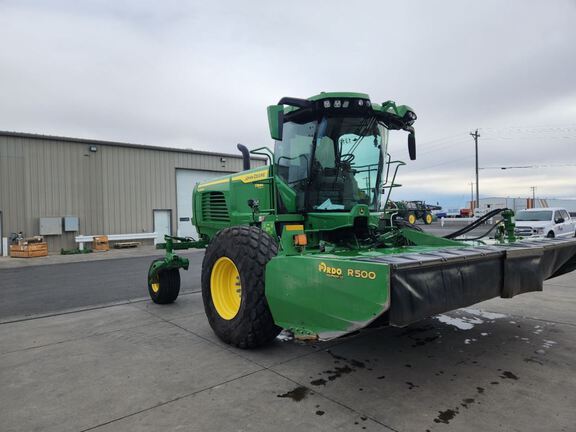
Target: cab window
292 155
557 216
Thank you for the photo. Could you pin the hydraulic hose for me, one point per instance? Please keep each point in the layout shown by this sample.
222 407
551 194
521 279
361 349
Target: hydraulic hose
475 224
486 233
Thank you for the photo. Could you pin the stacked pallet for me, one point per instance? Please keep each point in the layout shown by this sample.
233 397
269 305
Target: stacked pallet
29 248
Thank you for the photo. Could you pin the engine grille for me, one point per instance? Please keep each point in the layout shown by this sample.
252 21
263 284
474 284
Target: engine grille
214 207
523 231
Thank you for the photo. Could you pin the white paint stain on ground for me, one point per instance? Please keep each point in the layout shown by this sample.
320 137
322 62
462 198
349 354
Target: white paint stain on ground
548 344
484 314
463 323
285 336
468 322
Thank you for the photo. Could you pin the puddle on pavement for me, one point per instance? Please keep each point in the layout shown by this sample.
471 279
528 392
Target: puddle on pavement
446 416
297 394
508 375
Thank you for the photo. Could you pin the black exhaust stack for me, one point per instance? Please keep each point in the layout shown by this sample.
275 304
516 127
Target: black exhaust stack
245 156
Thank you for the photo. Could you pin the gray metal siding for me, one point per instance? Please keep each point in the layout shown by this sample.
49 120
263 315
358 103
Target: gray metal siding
112 191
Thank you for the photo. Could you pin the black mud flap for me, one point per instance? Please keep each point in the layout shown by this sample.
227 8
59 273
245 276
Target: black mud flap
426 284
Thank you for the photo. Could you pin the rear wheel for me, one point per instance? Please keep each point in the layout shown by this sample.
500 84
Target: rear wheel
427 218
233 286
164 285
412 218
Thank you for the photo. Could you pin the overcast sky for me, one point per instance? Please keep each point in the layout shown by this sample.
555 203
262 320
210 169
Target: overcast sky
200 75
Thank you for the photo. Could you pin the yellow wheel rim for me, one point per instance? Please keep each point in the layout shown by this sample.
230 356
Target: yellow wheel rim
225 288
412 219
428 219
155 284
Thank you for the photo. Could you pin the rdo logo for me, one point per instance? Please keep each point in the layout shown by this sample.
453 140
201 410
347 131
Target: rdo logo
331 271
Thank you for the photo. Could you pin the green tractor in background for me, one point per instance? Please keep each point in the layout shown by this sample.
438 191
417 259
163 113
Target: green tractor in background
303 244
412 211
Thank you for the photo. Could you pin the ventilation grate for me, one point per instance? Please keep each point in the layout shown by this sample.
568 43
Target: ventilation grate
214 207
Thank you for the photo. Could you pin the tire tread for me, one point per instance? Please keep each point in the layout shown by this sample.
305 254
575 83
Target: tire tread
250 248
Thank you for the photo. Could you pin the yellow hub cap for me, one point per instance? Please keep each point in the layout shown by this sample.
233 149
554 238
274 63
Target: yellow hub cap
429 219
225 288
412 219
155 283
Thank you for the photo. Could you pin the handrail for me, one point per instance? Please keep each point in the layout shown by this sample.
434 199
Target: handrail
398 164
269 154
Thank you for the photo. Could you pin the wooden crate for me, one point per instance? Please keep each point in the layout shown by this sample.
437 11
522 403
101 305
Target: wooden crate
100 243
29 250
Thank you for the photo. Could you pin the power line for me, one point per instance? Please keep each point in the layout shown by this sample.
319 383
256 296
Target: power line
444 146
448 138
530 166
444 163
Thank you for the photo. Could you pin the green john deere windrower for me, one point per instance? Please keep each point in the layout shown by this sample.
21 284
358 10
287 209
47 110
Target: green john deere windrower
308 245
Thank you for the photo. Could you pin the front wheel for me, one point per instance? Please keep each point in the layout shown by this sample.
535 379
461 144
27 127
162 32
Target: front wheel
163 285
551 234
427 218
233 286
411 218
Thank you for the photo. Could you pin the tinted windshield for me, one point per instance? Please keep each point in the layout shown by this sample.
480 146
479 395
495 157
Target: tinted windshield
333 164
347 163
544 215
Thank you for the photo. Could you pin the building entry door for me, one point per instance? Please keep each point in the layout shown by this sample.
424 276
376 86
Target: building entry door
185 181
162 224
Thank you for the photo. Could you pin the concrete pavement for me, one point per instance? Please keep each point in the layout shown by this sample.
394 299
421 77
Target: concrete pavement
144 367
57 287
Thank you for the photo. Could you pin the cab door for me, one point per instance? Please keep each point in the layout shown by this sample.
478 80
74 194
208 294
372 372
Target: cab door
569 224
562 224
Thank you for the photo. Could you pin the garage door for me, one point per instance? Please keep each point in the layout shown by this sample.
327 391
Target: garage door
185 182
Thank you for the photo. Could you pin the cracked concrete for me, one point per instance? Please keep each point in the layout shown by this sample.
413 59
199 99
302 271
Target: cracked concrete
140 366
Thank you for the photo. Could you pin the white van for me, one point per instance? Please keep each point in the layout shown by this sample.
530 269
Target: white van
545 222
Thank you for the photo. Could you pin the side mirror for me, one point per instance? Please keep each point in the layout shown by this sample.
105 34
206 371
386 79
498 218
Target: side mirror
276 121
559 220
412 145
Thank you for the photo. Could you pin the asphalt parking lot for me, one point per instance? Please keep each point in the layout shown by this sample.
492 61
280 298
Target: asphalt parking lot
126 364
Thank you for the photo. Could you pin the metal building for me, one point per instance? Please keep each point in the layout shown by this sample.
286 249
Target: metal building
524 203
64 187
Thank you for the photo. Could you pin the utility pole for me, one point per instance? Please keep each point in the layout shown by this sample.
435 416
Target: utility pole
533 196
471 195
476 135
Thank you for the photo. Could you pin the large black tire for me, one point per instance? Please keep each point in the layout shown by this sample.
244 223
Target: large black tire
411 218
427 218
250 249
167 285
